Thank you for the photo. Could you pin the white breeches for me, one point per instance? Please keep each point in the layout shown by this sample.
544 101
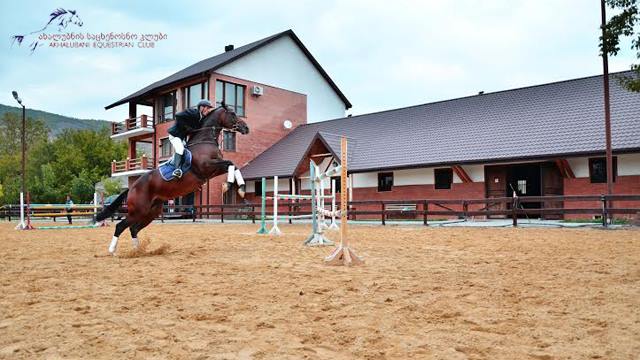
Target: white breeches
178 146
234 174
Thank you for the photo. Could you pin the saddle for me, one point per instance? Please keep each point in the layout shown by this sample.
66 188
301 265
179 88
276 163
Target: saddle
166 169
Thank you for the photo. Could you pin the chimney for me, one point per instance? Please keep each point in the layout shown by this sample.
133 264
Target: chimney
228 48
480 92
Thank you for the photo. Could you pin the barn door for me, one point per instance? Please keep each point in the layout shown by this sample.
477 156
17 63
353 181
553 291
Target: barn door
495 179
552 184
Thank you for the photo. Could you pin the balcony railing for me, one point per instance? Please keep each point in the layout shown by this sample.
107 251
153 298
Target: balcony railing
140 122
142 164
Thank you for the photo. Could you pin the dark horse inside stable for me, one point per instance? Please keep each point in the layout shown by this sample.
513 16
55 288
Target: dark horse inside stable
145 198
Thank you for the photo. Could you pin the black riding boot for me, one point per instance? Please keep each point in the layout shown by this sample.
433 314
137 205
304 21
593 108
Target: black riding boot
177 162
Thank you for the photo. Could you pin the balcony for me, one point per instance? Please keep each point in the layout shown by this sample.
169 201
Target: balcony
141 125
131 167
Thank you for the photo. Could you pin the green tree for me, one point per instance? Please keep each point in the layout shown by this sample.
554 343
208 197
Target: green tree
68 164
11 151
111 186
620 26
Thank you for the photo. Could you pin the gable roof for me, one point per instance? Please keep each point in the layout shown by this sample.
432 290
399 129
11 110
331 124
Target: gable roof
215 62
564 118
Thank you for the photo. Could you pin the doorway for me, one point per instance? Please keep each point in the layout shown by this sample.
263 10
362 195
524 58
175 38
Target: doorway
529 179
524 180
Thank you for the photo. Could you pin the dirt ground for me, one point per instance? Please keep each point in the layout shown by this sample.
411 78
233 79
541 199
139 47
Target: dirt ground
222 292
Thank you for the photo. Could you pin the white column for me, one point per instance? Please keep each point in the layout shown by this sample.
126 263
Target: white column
275 230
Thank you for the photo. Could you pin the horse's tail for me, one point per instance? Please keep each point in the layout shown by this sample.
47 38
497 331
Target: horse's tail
111 208
17 38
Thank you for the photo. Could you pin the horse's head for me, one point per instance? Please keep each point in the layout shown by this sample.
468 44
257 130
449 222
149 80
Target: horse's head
74 18
65 17
225 118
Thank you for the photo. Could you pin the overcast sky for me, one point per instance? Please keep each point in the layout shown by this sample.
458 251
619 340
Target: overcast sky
382 54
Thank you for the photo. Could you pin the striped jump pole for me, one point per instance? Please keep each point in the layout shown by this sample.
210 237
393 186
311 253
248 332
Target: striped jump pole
316 238
343 254
333 225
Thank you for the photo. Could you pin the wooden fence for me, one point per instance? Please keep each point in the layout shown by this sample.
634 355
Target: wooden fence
417 209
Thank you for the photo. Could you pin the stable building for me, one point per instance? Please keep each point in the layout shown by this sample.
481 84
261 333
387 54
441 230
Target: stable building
537 140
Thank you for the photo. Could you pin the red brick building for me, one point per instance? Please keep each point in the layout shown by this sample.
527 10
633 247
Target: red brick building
273 99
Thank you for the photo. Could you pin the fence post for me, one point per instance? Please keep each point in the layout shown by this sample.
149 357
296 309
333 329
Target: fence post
222 213
603 199
193 213
9 212
514 209
253 214
382 211
425 210
289 211
465 209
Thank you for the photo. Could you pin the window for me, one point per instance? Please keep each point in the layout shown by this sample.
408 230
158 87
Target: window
191 95
522 187
443 177
233 95
228 141
385 181
338 183
168 108
165 147
598 169
258 187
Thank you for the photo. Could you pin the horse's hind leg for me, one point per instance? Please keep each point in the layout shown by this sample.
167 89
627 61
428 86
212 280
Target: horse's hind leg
120 227
155 210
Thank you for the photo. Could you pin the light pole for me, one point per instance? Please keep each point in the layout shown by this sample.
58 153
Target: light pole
22 140
24 152
607 108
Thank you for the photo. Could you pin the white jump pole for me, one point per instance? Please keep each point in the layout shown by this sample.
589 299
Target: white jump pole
21 225
323 224
275 230
333 225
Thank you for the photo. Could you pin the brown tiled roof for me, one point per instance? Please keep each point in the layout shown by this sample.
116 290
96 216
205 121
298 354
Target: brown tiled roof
215 62
558 119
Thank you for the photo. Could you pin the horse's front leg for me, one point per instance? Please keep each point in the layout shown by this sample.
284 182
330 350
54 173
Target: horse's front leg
234 175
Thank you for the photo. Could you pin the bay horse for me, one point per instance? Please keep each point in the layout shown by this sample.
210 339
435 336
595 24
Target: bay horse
145 198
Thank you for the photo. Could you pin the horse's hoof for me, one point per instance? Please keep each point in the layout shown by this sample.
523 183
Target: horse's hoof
242 193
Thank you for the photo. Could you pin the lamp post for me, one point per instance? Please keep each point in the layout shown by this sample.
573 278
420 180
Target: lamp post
607 108
22 139
22 224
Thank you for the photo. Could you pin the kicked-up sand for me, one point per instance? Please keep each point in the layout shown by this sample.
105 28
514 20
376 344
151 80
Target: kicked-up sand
213 291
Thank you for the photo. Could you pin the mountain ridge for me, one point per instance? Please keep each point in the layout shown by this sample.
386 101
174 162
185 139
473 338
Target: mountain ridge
56 122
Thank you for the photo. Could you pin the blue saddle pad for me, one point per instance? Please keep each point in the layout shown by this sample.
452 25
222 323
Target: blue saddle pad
166 169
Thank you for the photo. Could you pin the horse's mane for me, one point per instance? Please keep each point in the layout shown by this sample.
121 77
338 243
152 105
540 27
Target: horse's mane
57 13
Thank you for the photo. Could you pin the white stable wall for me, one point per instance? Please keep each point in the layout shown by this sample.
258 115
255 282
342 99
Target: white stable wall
282 64
628 164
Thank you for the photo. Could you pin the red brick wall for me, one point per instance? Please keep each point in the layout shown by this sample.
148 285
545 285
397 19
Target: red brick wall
583 186
475 190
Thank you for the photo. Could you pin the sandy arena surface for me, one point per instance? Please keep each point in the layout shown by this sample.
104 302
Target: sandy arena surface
221 292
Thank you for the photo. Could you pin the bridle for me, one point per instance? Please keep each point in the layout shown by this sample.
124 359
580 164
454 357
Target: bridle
214 129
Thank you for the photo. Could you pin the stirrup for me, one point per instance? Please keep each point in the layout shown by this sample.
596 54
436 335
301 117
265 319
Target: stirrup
177 173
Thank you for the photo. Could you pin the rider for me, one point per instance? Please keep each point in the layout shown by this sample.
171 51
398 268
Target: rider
186 121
